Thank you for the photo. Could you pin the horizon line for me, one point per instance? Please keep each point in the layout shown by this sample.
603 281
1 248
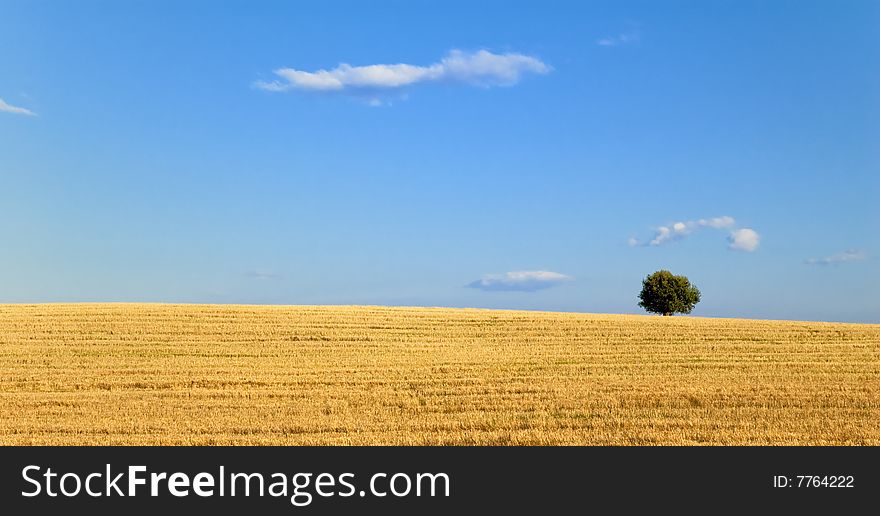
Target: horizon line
427 307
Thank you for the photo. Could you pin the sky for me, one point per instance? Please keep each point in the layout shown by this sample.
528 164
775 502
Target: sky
541 155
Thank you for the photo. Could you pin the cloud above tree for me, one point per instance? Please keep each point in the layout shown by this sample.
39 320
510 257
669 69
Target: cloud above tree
519 281
739 239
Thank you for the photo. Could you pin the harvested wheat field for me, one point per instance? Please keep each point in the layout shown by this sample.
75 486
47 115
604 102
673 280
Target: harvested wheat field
201 374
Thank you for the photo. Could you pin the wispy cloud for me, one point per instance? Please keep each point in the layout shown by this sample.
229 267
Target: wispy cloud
481 68
8 108
682 229
742 239
519 281
850 255
624 38
262 274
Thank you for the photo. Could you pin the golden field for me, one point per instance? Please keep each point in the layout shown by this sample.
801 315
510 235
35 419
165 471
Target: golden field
221 374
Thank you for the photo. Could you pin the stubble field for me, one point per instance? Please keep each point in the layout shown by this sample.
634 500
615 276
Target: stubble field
201 374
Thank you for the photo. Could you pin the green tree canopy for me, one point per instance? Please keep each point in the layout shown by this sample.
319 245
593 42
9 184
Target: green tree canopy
664 293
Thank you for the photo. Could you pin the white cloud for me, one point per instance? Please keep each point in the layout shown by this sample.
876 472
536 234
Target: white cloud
850 255
7 108
744 239
678 230
665 234
717 222
482 68
487 69
522 281
623 38
741 239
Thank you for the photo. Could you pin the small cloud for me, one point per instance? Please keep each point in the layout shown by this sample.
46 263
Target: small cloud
623 38
850 255
744 239
519 281
481 68
7 108
679 230
717 222
261 274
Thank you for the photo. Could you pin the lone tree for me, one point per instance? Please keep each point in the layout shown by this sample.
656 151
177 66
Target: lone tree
665 293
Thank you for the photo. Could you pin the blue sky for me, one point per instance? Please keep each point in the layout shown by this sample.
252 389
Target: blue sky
529 156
